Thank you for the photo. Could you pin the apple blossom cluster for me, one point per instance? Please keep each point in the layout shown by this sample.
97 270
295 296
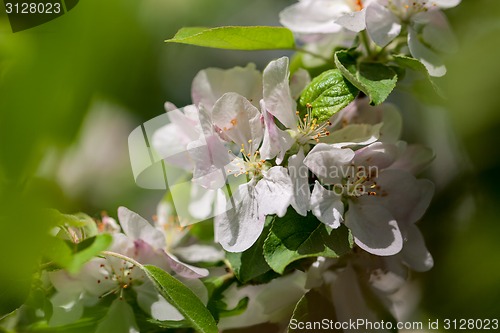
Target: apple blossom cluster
306 194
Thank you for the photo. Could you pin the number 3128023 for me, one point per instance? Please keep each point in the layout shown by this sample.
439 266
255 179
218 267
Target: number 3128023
33 8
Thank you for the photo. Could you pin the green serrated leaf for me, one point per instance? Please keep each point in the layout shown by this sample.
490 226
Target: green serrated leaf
251 263
375 79
294 237
327 94
184 300
415 65
97 244
236 38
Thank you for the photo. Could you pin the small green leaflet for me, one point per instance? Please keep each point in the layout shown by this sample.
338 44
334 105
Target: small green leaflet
183 299
236 38
327 94
314 306
415 65
375 79
294 237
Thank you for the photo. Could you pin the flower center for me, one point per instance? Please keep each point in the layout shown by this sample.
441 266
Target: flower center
406 8
249 164
309 131
122 278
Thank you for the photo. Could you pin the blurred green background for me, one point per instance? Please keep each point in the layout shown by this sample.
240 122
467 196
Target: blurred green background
71 91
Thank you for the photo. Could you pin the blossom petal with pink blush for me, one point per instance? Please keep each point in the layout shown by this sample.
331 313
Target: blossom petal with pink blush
185 270
239 226
210 157
274 192
353 21
415 253
378 154
327 206
374 229
276 142
210 84
430 59
446 3
239 120
277 97
437 32
382 24
136 227
299 175
354 135
313 16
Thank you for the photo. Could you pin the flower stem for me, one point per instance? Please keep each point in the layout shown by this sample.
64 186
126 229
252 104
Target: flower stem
121 256
363 36
299 49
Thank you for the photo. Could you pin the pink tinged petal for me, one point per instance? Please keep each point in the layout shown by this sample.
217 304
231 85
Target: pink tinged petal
274 192
414 159
119 318
353 21
312 16
327 206
185 270
239 226
276 141
210 157
277 97
374 229
299 174
430 59
210 84
136 227
415 253
381 23
300 79
239 120
378 154
327 162
200 253
392 124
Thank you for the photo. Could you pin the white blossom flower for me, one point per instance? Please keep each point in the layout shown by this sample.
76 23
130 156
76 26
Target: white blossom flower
325 16
429 33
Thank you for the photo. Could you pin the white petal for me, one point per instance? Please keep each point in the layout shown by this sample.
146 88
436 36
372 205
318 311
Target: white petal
120 318
312 16
151 302
428 57
136 227
66 309
446 3
327 206
414 159
415 253
277 97
299 173
210 84
354 21
437 32
378 154
328 162
354 135
238 227
381 23
274 192
239 120
200 253
374 229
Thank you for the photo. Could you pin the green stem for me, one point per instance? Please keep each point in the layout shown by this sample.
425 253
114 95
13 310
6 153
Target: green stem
363 36
121 256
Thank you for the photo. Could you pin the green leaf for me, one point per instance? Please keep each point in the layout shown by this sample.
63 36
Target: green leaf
327 94
236 38
294 237
97 244
184 300
416 66
251 263
312 307
375 79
